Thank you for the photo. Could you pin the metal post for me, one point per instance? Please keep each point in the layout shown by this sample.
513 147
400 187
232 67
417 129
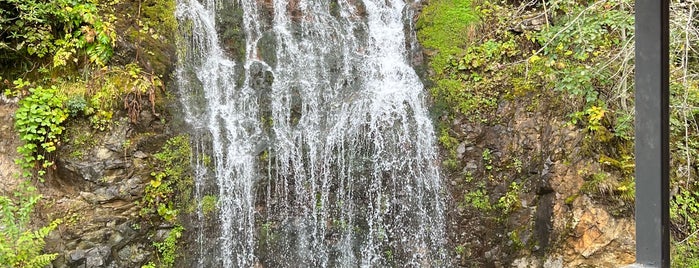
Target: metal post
652 134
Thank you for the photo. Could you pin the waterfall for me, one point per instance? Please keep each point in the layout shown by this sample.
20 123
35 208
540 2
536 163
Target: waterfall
322 153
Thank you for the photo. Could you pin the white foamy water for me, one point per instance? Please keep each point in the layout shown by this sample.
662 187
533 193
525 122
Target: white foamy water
323 154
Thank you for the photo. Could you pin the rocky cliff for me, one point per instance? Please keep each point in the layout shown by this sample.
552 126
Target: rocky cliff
523 183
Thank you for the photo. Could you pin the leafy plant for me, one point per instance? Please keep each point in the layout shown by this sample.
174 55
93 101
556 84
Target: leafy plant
510 201
168 248
478 199
39 121
76 105
19 245
172 176
61 28
488 159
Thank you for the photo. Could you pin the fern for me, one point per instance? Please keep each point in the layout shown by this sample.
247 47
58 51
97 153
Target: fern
20 246
41 260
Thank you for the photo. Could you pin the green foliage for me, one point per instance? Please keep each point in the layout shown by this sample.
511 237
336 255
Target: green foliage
569 200
614 181
686 253
510 201
168 190
175 157
486 56
579 60
684 145
515 239
62 28
19 245
172 176
471 75
168 248
38 120
599 183
684 206
158 16
478 199
488 159
102 119
80 35
442 26
209 204
586 53
460 250
76 105
110 89
157 199
151 27
449 143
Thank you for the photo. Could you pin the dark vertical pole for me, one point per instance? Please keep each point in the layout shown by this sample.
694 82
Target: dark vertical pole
652 133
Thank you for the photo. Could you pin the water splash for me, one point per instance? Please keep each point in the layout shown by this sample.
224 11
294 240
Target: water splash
323 153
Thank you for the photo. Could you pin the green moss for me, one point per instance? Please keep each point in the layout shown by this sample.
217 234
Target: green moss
229 19
598 184
569 200
685 253
160 15
444 26
517 243
209 204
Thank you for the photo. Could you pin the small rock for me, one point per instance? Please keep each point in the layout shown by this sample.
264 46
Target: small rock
77 255
162 234
140 155
116 238
103 153
133 253
89 197
470 166
489 255
96 256
131 188
461 149
553 263
106 194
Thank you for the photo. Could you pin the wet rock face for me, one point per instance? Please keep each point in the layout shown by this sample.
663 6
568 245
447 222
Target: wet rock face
555 224
99 178
229 22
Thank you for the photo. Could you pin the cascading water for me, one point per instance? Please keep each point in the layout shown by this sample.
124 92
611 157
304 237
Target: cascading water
313 133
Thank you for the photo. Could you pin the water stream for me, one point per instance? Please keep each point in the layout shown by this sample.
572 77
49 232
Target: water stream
312 131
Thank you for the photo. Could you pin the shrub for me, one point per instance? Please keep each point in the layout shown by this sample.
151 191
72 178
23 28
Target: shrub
19 245
76 105
59 28
38 121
